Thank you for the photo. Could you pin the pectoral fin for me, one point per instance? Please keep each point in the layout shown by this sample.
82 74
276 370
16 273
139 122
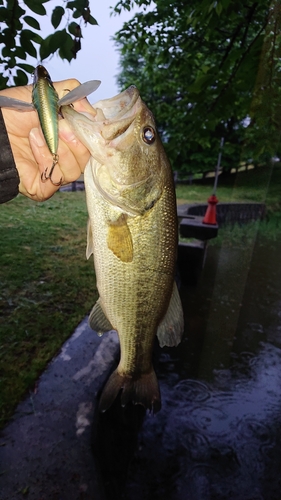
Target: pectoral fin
170 330
119 239
89 248
98 320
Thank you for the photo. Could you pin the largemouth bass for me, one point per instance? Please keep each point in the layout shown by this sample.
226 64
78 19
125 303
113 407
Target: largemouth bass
132 234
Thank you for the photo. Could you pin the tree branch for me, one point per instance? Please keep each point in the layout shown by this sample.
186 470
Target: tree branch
237 31
237 66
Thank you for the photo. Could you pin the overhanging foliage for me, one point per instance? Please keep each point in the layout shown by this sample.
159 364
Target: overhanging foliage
20 35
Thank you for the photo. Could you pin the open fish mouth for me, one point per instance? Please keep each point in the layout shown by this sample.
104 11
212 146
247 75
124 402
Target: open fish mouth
110 120
117 115
119 106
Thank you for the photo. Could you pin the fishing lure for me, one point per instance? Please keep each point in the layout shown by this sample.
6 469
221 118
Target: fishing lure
47 104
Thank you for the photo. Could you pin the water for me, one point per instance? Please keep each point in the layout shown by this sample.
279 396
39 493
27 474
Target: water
218 435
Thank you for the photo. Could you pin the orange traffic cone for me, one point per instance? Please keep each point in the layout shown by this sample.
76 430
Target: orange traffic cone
211 212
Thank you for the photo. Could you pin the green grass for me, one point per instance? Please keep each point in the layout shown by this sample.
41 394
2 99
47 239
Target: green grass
258 185
47 286
265 232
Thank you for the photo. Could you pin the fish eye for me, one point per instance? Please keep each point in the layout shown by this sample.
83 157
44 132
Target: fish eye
148 135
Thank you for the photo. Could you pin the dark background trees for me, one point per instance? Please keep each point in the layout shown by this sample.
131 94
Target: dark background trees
207 69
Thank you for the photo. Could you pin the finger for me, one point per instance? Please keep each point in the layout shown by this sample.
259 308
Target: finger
64 86
31 184
83 106
80 154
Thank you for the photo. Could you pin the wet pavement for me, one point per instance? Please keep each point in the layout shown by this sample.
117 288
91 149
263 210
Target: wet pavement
45 451
218 434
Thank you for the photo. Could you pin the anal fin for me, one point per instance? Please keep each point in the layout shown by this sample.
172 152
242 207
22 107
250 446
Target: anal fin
89 249
171 328
98 320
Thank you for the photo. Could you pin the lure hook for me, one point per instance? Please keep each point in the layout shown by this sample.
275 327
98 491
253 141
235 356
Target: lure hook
45 177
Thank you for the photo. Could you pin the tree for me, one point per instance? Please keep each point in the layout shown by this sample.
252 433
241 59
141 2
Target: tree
207 69
17 40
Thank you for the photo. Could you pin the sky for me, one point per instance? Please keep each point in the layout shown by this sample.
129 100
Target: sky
98 59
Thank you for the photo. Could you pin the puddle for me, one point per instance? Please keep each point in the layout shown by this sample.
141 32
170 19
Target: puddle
218 434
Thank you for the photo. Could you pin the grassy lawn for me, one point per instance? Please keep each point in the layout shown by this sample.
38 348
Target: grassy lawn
46 287
46 284
258 185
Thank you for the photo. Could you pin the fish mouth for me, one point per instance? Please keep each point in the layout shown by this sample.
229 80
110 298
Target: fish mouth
110 120
119 106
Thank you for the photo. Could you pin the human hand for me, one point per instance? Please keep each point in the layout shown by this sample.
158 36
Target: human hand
31 154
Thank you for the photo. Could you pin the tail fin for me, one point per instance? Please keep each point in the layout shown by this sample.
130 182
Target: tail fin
143 390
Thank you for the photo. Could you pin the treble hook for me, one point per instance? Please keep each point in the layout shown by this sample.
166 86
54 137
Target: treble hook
44 177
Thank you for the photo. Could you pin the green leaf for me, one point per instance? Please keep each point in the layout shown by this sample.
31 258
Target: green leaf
57 40
52 43
200 82
77 13
66 50
30 35
212 6
27 45
27 67
225 3
20 52
44 50
57 15
75 30
3 82
6 52
3 14
218 8
91 20
60 40
32 22
36 6
75 4
21 78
